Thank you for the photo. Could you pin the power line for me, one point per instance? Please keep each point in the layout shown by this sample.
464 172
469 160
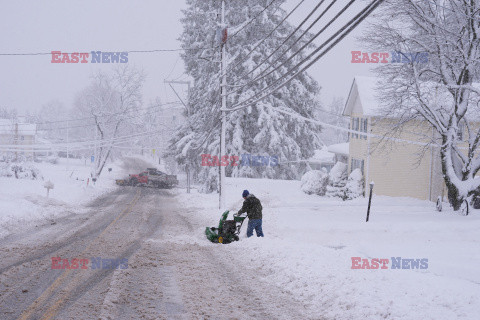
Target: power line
101 143
350 25
152 50
261 76
253 19
267 36
100 116
291 34
281 45
127 51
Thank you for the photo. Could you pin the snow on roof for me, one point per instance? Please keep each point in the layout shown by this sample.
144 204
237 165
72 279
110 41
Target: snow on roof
340 148
365 89
322 155
368 94
7 126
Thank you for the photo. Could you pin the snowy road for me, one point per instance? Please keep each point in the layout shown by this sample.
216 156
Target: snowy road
164 279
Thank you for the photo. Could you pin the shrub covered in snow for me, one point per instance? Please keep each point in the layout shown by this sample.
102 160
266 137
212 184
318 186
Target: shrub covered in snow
337 181
354 186
19 171
315 182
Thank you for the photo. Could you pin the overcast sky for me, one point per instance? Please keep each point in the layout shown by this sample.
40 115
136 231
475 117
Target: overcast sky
28 82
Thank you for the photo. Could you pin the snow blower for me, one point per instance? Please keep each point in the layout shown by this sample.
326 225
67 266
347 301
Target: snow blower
227 231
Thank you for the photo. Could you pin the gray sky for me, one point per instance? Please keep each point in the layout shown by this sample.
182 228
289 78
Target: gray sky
28 82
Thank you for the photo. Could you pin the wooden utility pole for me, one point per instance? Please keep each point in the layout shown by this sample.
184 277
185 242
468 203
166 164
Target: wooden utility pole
224 106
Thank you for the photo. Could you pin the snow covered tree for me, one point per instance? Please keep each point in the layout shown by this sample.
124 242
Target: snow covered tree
258 129
337 181
49 116
438 45
112 102
333 115
354 186
8 113
315 182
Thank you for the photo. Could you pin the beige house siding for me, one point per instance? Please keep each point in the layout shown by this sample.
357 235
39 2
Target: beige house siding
399 169
402 167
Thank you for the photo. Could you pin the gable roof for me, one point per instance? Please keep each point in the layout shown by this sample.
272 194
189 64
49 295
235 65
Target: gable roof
363 94
363 98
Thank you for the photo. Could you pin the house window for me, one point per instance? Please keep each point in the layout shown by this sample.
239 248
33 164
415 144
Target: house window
359 124
356 127
361 127
355 164
364 128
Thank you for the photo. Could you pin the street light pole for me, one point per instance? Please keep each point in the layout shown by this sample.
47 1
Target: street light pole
224 105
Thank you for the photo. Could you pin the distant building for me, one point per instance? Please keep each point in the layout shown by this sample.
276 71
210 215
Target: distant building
400 171
322 159
341 151
13 133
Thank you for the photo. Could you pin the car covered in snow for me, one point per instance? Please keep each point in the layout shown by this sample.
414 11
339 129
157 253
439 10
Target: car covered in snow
152 177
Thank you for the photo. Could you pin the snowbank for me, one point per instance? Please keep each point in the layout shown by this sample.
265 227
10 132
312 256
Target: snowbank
24 201
315 182
309 242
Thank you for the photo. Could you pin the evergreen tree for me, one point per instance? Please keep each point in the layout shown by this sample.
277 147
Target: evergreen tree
337 181
258 129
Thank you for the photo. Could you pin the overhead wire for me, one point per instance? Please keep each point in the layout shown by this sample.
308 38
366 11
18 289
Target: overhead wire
267 36
262 74
290 36
252 19
341 33
100 116
76 144
127 51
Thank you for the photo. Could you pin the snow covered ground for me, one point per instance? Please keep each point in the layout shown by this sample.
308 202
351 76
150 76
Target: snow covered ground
309 242
24 201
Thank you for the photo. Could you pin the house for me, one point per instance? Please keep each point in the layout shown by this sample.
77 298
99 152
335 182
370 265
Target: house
16 133
322 158
403 167
341 151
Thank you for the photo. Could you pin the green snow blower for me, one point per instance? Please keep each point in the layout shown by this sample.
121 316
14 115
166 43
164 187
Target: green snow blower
227 231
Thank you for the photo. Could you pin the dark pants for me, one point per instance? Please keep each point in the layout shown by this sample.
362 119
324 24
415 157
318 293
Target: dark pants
254 224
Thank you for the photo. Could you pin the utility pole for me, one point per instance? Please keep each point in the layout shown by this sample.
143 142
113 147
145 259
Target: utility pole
187 167
16 140
224 106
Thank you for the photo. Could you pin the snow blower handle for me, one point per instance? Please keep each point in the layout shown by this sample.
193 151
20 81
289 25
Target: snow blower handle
237 215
